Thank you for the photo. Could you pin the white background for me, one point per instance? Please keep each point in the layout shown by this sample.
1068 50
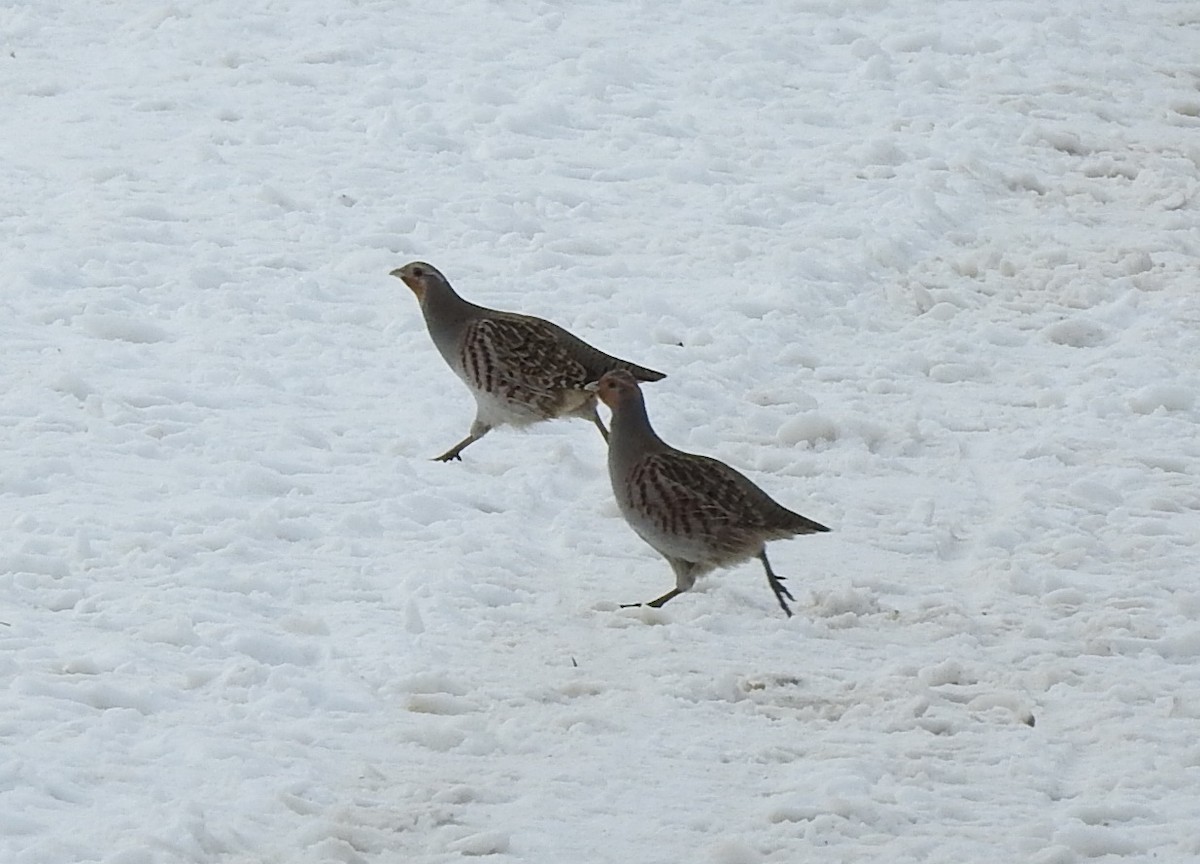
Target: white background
926 271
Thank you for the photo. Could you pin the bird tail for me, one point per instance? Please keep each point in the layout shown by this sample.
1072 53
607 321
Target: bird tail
803 525
596 362
641 373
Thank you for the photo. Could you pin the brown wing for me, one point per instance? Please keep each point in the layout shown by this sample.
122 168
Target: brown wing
700 489
594 361
520 358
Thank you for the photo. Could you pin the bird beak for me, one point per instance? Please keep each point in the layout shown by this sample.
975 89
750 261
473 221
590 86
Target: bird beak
413 285
592 387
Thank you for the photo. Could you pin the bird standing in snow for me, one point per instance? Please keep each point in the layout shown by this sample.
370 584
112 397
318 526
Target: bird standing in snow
696 512
520 369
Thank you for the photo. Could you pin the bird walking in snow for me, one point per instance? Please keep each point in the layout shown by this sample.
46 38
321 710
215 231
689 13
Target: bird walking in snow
696 512
519 368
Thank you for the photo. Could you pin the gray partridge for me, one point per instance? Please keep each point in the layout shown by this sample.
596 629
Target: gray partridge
520 369
696 512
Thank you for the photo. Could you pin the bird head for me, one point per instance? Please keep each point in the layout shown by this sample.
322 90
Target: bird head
419 277
616 387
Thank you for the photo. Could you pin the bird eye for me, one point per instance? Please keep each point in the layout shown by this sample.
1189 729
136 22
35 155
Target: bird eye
418 271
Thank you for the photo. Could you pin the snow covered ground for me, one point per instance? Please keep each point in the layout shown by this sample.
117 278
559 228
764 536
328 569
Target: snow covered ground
925 270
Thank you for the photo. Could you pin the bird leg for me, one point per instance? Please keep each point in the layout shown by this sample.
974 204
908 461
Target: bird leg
658 601
599 424
664 598
776 583
452 454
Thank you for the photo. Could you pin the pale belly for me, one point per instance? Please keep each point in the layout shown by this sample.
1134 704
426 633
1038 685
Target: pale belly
696 549
518 407
496 410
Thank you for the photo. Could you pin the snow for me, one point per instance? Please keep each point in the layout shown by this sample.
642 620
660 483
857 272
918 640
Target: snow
925 271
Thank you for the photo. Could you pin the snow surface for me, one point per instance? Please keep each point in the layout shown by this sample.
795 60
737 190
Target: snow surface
925 270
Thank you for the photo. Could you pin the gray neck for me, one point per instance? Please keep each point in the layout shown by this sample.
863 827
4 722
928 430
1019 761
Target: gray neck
632 434
445 314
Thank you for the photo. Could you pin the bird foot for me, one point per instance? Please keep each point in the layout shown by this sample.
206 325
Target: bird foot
452 456
780 593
